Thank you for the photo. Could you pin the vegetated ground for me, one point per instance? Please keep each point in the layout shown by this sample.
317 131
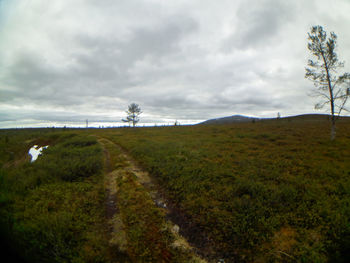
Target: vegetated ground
52 210
272 191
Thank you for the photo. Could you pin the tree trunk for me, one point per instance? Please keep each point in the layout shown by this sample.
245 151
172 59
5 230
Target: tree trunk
333 129
330 89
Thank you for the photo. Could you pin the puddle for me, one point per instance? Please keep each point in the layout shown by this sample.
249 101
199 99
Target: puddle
35 151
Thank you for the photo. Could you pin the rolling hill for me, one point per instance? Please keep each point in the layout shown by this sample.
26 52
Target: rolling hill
242 118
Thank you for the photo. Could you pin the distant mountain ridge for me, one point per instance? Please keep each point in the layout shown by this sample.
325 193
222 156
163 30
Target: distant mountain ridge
230 119
242 118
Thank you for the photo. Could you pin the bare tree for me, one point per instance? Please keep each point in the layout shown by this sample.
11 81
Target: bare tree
323 72
133 113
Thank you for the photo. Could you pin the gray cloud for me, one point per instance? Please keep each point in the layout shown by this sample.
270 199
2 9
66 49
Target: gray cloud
258 23
186 60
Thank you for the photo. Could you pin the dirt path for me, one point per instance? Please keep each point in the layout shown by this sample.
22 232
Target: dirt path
114 231
118 164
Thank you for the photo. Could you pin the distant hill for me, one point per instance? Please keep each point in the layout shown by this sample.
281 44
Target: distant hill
230 119
241 118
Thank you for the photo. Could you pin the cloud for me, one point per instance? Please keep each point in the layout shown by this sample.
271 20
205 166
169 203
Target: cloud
258 23
186 60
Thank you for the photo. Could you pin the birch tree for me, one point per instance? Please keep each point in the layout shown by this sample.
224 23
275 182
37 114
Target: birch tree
331 86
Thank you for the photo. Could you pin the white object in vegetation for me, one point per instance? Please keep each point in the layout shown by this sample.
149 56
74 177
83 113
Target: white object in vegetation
35 151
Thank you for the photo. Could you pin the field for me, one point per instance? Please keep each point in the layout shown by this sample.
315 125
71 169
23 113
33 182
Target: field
273 191
51 209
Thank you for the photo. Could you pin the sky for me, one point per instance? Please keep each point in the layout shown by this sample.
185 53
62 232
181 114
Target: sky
62 62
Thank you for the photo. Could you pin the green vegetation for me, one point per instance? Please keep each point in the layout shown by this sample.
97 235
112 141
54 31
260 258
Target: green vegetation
146 241
274 191
265 192
50 210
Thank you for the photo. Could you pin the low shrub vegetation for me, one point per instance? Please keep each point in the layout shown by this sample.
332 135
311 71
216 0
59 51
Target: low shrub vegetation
51 210
265 191
274 191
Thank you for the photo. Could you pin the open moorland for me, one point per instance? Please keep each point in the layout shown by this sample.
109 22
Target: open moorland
266 191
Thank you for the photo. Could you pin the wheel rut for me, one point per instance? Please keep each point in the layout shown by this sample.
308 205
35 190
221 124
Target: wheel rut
117 164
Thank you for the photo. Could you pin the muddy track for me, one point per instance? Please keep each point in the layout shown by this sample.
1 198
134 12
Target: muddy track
144 179
111 207
114 231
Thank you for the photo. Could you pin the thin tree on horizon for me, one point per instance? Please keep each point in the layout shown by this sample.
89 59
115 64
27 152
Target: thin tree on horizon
133 114
322 71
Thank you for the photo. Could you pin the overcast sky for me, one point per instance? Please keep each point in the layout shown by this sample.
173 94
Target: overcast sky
62 62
